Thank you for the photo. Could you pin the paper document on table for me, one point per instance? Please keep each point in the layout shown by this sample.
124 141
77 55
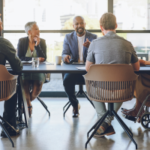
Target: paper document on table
7 66
27 62
48 63
81 68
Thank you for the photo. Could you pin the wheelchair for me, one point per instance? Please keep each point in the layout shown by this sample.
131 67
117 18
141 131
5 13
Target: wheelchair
145 118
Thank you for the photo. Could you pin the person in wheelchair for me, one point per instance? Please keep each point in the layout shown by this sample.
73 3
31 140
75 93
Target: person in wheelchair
142 89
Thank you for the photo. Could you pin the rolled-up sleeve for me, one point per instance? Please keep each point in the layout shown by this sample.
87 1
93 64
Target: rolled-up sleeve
134 57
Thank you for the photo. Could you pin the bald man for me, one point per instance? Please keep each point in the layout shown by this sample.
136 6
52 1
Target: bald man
75 48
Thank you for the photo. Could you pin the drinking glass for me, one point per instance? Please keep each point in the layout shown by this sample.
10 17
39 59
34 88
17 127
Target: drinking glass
35 62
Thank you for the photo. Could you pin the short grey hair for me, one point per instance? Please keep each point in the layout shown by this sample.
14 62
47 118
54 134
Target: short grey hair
29 26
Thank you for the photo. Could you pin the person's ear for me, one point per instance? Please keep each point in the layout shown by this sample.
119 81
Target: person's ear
116 26
101 28
73 26
29 32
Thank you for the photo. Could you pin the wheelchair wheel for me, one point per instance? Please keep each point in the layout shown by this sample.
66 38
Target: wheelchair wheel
145 120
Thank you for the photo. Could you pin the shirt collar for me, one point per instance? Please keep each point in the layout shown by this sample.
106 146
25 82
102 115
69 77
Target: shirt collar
110 33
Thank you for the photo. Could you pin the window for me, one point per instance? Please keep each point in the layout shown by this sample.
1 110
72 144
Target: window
50 14
54 19
132 14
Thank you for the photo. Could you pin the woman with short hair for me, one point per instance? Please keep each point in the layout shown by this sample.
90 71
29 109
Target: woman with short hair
28 47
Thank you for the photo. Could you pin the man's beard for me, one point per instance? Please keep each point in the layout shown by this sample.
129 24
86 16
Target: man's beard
81 32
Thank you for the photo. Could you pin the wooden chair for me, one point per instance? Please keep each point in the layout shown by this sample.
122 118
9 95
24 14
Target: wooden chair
7 90
110 83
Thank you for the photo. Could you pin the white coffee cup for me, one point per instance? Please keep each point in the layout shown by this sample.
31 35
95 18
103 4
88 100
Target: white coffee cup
58 60
35 62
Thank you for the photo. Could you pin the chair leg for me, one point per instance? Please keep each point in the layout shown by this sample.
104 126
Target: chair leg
97 125
78 93
88 99
66 109
7 123
82 92
123 124
126 127
7 134
66 105
127 130
44 105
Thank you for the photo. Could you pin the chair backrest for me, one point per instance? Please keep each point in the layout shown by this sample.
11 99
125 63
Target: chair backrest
7 84
110 82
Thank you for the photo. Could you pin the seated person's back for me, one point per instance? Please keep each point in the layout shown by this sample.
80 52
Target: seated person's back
111 49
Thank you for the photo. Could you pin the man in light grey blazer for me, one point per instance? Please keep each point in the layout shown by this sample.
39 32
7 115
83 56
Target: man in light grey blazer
75 48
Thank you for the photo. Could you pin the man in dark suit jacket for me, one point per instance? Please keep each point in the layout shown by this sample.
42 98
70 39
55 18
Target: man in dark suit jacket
7 52
75 48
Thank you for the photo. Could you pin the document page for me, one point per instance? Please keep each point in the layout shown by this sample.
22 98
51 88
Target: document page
81 68
27 62
7 66
48 63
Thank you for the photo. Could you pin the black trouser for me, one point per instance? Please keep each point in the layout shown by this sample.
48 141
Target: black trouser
69 82
10 110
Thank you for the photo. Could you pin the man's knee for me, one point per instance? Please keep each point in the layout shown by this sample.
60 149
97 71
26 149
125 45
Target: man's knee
68 79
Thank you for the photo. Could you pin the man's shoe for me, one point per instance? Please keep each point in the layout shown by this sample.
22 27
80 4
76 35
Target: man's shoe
10 131
104 127
76 111
109 131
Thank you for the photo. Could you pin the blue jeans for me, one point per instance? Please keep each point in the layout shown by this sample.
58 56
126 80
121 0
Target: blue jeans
69 82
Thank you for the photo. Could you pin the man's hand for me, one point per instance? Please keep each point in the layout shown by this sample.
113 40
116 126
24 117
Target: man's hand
67 59
41 59
37 40
87 43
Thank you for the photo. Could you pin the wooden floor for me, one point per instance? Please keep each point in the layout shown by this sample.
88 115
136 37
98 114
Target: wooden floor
58 133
